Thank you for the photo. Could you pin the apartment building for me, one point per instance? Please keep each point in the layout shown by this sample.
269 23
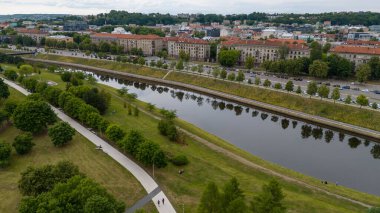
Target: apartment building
198 49
35 34
149 44
356 54
263 50
61 38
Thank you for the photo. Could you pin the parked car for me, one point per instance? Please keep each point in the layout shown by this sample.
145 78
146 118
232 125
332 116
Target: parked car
365 90
357 89
376 91
336 85
346 87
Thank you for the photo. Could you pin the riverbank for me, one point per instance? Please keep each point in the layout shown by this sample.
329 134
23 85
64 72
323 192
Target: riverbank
351 119
210 165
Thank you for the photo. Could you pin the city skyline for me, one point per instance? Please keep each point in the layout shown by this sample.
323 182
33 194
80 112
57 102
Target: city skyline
88 7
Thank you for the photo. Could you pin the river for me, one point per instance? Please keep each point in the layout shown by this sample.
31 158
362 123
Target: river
326 154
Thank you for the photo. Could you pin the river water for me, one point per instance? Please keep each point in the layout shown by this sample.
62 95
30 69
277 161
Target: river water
323 153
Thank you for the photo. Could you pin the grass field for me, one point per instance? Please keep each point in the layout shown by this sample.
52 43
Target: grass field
95 164
207 165
112 65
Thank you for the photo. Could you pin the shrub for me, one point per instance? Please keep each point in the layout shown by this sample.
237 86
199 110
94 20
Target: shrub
180 160
61 133
23 143
114 132
5 153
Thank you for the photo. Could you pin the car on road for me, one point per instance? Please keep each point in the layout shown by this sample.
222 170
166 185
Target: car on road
357 89
376 91
365 90
346 87
336 85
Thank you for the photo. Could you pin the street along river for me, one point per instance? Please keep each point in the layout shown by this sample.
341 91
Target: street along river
326 154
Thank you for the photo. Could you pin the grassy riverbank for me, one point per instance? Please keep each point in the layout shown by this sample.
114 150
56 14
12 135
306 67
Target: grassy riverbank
95 164
208 165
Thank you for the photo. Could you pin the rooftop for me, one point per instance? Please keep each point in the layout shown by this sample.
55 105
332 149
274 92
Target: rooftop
356 50
127 36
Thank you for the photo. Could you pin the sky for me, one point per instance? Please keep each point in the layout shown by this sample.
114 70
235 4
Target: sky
86 7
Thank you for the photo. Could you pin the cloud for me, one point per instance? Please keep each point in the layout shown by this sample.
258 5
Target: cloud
184 6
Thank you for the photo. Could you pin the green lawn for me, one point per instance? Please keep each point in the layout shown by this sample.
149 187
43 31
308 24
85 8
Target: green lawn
207 165
94 163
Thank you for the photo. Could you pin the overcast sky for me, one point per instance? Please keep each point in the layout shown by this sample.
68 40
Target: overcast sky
83 7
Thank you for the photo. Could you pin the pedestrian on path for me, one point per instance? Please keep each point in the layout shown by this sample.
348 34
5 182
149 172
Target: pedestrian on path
158 202
163 201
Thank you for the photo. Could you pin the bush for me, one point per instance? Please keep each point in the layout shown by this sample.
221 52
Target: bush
61 133
23 143
278 86
5 153
180 160
11 74
114 133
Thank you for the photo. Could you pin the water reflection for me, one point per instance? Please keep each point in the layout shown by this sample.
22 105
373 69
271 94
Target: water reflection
279 139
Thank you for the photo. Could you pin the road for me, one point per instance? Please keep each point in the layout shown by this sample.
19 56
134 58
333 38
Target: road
140 174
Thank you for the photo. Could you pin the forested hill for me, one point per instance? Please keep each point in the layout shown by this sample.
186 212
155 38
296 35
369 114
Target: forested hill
341 18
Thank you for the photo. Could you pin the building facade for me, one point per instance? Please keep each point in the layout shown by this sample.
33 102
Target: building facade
198 49
75 26
149 44
263 50
356 54
35 34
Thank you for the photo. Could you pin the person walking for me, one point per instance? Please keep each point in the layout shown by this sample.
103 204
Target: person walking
158 202
163 201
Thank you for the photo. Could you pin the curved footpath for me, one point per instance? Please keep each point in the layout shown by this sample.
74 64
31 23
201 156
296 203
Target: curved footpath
304 116
143 177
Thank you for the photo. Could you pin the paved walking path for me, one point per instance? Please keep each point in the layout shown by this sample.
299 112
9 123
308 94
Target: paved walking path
144 200
167 74
143 177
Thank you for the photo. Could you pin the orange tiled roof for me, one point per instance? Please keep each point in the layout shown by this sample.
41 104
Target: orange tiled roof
358 42
127 36
273 43
356 50
30 31
290 41
186 40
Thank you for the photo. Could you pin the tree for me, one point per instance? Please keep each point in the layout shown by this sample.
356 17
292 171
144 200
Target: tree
362 100
335 94
26 70
312 88
61 133
148 153
231 192
323 91
299 90
141 61
374 105
179 65
374 63
23 143
231 76
319 69
278 86
363 73
151 107
249 62
5 153
257 81
240 77
269 200
326 48
77 194
33 116
223 74
374 210
184 56
4 91
210 200
133 140
289 86
35 181
228 58
215 72
267 83
316 51
11 74
114 132
283 51
348 99
200 69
